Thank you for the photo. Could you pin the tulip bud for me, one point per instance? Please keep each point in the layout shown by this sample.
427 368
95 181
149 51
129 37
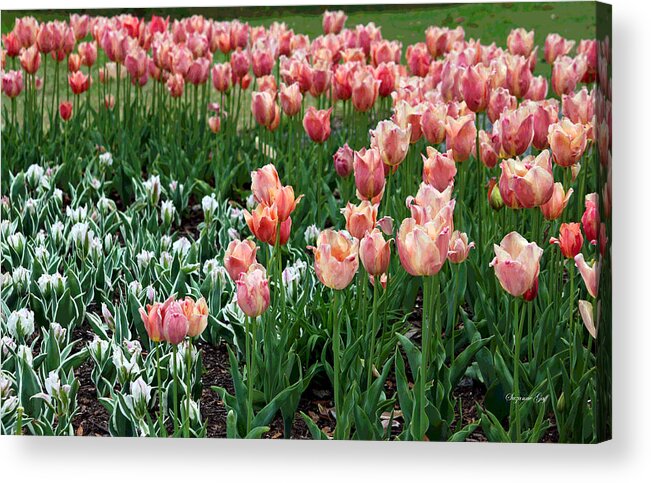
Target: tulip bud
570 240
343 161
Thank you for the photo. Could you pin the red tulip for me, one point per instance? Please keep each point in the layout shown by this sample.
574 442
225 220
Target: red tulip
65 110
317 124
264 223
569 240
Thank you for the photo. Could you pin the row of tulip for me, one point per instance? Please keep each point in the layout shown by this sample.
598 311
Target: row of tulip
464 143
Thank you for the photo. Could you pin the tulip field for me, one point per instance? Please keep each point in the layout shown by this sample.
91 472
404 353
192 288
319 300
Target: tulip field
219 227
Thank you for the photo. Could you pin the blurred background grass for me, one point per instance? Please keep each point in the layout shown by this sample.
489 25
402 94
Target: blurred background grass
490 22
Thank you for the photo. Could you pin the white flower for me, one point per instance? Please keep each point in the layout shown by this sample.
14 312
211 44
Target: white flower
7 344
45 283
57 194
133 347
40 238
250 202
5 279
78 214
21 277
152 188
16 241
56 232
150 293
167 212
106 205
106 159
21 323
135 288
34 174
166 260
5 229
233 234
209 205
31 205
311 234
144 258
5 386
8 405
140 391
182 245
122 364
58 332
25 353
81 234
98 347
165 242
53 384
41 253
236 215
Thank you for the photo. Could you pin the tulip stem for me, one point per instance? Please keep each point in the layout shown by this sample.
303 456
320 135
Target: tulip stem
373 332
249 375
571 310
175 389
188 361
336 354
519 321
161 421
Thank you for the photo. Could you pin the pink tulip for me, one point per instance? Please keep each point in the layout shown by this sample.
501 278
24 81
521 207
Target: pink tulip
516 263
520 42
175 85
335 258
500 100
588 49
12 44
214 123
579 106
317 124
264 107
556 46
545 113
360 219
404 115
26 29
221 76
253 295
343 161
432 122
587 315
459 248
387 75
489 148
429 203
418 59
567 72
333 22
152 319
375 253
460 137
590 274
199 71
80 25
88 53
386 51
518 75
369 174
48 38
567 142
79 82
65 110
175 323
553 209
439 169
239 256
527 183
537 89
30 59
365 89
475 87
12 83
591 217
240 63
516 131
262 62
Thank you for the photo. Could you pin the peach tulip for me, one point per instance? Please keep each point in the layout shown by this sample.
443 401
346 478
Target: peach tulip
335 258
518 75
590 274
537 89
569 239
516 263
317 124
528 182
475 87
545 113
553 209
556 46
429 203
567 141
152 319
404 114
239 256
263 107
264 223
12 44
291 99
175 85
375 253
387 75
343 161
423 248
439 169
520 42
214 123
460 137
74 62
391 141
197 315
369 174
418 59
253 295
221 76
459 248
360 219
